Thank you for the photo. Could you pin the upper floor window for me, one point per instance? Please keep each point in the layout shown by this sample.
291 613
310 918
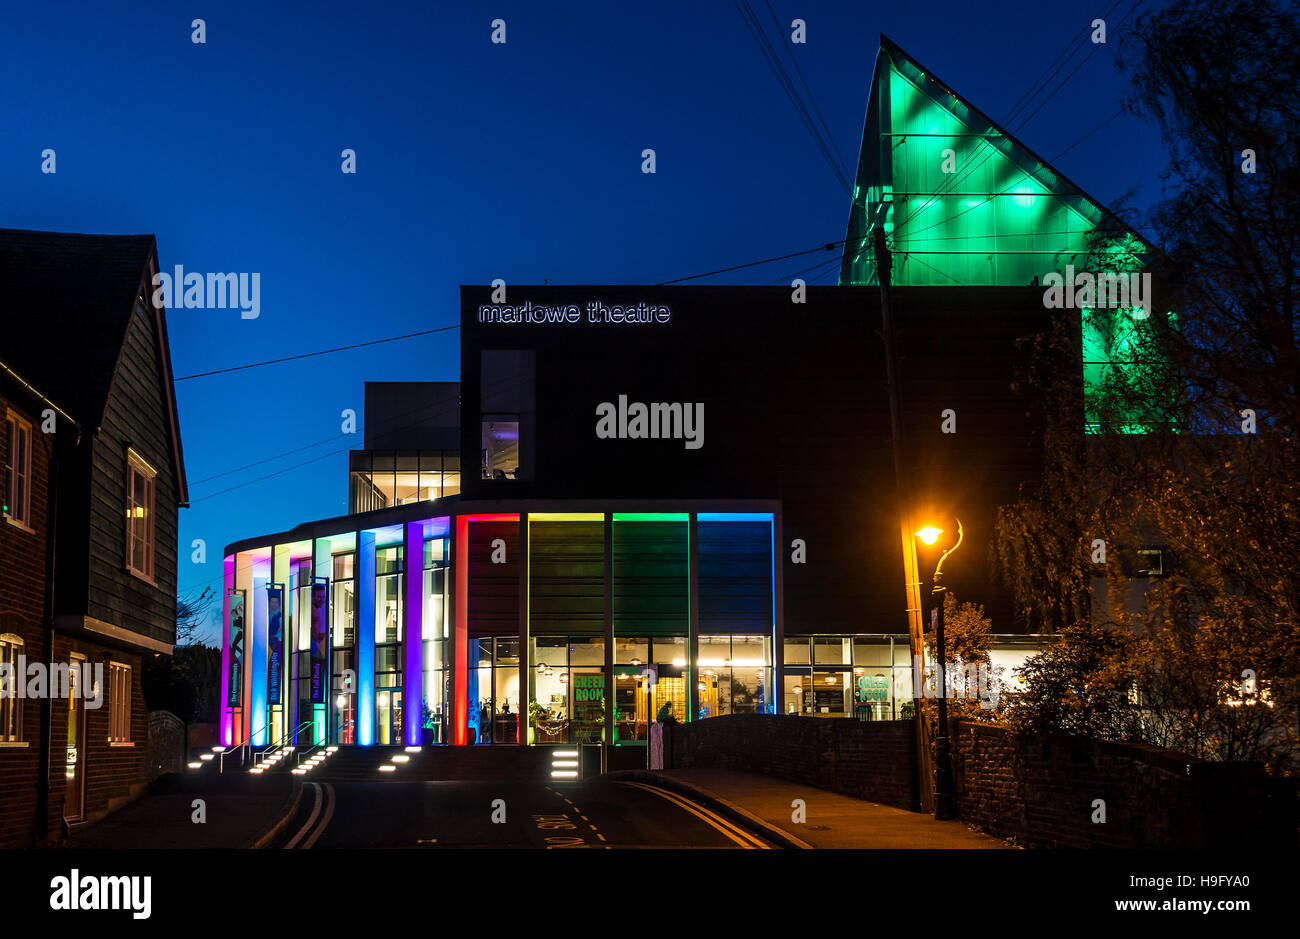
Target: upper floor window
1150 562
507 413
18 469
11 703
500 446
140 478
380 478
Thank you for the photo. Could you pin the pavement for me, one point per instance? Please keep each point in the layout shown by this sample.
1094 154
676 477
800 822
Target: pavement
240 811
764 805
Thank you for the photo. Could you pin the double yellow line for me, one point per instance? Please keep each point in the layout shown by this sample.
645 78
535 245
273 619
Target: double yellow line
737 834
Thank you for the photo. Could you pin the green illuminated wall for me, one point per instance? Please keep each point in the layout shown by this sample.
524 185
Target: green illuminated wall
1002 217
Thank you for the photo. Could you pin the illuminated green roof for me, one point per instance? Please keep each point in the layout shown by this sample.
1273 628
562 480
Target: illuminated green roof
1000 215
964 203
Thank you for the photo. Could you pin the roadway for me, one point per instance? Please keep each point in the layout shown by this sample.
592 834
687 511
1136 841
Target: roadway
594 814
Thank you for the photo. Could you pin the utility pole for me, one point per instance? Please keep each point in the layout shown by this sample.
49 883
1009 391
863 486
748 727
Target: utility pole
911 572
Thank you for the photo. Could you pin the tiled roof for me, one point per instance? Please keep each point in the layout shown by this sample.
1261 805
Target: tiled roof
65 302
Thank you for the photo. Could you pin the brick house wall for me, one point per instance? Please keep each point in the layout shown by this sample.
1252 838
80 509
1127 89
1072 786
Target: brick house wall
22 612
113 773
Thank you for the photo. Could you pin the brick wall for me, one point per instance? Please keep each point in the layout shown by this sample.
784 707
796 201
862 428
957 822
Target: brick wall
114 773
167 744
873 760
1040 793
22 613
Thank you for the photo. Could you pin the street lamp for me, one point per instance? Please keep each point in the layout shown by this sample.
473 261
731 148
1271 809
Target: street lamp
943 800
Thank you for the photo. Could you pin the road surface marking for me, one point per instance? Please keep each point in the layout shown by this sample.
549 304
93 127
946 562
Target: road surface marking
311 819
325 819
731 830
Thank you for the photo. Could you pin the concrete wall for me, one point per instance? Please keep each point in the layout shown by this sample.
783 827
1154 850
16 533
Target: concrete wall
873 760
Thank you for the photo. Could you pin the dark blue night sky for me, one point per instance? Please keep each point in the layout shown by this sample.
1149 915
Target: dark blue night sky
475 161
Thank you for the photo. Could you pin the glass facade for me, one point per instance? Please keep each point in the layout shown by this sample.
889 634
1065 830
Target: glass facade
861 677
458 649
378 479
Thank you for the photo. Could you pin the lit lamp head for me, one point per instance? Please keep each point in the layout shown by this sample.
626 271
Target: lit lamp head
929 534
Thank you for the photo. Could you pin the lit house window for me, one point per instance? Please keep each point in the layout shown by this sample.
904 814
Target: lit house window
11 703
119 699
139 515
18 470
1150 562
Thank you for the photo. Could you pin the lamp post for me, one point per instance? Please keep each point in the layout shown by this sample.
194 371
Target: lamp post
943 797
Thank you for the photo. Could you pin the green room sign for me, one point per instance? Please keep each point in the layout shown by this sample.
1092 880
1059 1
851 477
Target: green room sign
589 688
871 688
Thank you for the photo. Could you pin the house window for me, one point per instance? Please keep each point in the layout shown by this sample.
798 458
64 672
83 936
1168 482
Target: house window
140 478
119 698
11 702
18 470
1150 562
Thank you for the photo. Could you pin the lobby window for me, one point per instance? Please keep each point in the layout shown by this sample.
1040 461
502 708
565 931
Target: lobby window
119 699
567 689
388 595
389 660
18 470
637 703
437 660
493 689
140 478
734 675
11 704
506 413
343 613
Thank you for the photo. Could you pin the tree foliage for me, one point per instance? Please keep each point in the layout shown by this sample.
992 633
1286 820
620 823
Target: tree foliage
1211 378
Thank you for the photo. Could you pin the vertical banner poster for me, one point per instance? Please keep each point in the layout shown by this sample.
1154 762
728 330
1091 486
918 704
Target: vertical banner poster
319 639
236 676
274 642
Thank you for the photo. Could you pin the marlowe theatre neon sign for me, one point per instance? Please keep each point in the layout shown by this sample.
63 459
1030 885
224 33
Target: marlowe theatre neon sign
595 312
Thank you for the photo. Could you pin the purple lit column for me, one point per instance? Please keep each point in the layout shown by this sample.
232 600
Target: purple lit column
228 586
413 696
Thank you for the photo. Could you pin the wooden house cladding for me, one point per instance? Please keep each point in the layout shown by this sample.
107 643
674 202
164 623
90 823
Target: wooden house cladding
91 338
135 420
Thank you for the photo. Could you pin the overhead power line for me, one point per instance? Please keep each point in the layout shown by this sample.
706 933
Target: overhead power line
950 185
759 36
308 355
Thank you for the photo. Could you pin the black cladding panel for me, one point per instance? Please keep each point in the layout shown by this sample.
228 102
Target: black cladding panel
794 407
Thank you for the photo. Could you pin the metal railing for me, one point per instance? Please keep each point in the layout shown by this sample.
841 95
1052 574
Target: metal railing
244 750
284 741
299 754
